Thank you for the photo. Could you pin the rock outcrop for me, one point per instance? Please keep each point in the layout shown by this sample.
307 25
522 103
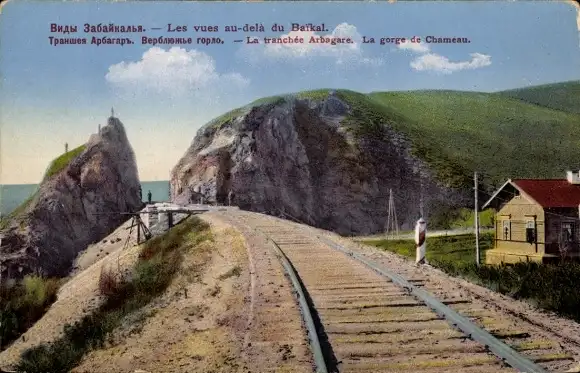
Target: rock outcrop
300 159
76 205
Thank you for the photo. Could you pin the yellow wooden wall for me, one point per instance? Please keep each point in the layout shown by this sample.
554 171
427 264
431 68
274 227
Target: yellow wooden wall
518 207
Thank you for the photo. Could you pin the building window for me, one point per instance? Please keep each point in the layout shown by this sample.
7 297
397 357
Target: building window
507 232
530 231
568 232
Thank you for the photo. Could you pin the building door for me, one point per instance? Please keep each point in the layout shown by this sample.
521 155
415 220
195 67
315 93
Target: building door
568 238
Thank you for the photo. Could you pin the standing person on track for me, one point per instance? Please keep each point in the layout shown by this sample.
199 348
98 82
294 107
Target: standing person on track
420 238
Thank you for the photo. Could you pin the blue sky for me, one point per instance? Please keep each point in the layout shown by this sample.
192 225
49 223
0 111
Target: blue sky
56 94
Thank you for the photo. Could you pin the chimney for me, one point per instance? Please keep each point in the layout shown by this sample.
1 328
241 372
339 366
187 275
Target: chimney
573 177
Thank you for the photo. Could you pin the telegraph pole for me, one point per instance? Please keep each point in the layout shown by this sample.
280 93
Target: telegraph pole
392 224
421 198
476 221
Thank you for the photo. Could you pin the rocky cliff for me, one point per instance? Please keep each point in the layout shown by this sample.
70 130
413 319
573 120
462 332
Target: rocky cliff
319 160
76 204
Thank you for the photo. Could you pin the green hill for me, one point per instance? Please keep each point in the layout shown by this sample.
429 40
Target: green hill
499 136
561 96
459 132
59 163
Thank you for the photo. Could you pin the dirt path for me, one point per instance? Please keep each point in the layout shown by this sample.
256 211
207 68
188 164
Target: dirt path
196 326
76 298
411 235
275 339
230 309
247 322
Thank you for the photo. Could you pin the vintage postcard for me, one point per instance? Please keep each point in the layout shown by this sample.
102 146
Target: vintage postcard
289 186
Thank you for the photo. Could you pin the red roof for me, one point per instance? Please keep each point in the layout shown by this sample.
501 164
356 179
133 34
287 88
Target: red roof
550 192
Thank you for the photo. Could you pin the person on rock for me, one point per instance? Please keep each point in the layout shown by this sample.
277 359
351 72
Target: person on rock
149 195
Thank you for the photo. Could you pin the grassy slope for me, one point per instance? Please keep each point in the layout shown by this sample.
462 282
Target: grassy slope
57 165
232 114
491 133
24 304
563 96
62 161
459 132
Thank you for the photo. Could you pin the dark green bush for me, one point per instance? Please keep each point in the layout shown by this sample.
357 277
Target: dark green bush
23 304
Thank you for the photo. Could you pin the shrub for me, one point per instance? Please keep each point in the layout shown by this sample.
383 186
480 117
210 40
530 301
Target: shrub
23 304
113 286
38 291
159 261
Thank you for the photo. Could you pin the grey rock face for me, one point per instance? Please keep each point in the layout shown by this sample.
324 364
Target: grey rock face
295 159
75 207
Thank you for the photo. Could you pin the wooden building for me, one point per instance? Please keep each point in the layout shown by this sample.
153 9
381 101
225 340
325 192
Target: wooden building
536 220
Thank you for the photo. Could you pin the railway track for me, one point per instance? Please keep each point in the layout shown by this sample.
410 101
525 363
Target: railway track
367 321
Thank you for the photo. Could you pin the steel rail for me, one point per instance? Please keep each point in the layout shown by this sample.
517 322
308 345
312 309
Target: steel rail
306 315
315 346
500 349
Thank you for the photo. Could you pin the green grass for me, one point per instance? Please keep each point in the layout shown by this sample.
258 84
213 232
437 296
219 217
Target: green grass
549 286
455 133
223 119
158 262
318 94
561 96
23 304
458 249
466 218
56 166
500 136
61 162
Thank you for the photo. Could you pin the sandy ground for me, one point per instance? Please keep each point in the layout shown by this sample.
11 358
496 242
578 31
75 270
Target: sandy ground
78 296
107 246
229 309
275 338
196 326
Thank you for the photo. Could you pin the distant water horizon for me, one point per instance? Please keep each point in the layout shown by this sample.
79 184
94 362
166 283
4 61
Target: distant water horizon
13 195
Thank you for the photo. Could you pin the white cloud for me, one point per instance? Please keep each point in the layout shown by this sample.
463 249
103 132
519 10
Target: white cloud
171 72
343 53
429 61
435 62
414 47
